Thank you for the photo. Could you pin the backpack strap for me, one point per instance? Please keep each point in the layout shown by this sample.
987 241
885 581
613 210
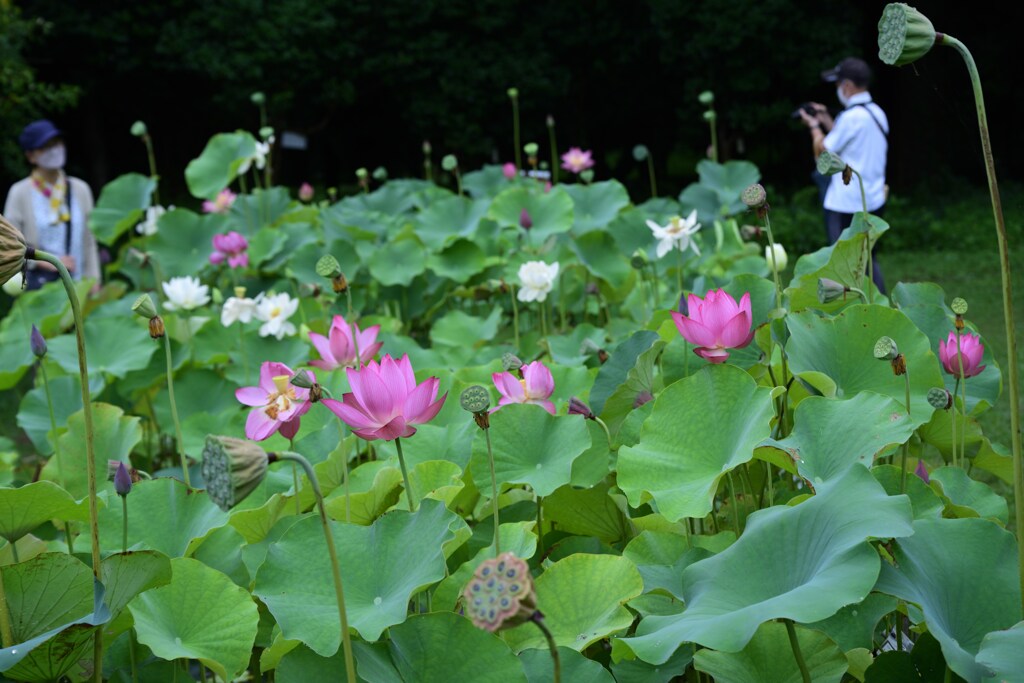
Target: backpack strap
873 118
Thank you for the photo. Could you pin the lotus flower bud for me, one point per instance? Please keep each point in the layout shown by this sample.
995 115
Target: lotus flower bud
449 162
587 175
306 192
640 153
232 469
780 258
940 398
550 121
500 594
922 472
904 34
257 98
707 98
12 251
830 290
525 221
122 480
139 129
513 93
37 343
578 407
830 164
380 174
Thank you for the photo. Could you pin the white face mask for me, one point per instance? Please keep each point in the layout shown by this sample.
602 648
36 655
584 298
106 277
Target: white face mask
52 159
843 99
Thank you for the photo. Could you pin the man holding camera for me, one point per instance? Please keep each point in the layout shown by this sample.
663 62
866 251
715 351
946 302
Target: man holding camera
860 136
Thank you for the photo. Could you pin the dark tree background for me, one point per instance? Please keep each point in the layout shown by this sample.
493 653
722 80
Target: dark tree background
369 80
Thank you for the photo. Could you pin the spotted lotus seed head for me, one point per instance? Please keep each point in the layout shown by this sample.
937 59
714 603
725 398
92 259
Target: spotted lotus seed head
144 307
500 594
959 306
530 148
707 98
754 196
640 153
510 362
475 399
904 34
830 164
139 129
940 398
830 290
327 266
885 349
232 469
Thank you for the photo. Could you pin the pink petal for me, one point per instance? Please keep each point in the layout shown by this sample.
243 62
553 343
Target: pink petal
712 355
693 307
350 414
239 260
259 425
216 258
251 396
745 305
290 428
323 347
373 394
545 404
394 429
430 412
419 400
509 387
736 333
410 376
270 370
366 353
693 331
539 382
719 308
341 341
394 379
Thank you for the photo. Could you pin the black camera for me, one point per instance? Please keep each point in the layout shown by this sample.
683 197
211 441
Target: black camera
807 108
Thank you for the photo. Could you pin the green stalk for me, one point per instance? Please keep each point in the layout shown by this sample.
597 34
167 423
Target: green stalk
124 524
963 389
735 504
906 444
554 155
1004 263
956 388
540 527
797 654
650 175
152 167
871 265
556 664
90 451
352 326
714 138
405 477
605 428
56 453
515 315
778 306
494 493
339 591
515 134
174 410
6 635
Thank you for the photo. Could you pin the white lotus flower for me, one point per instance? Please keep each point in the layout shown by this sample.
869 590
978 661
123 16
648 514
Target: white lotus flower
259 157
677 233
537 279
185 293
780 257
149 225
239 309
274 310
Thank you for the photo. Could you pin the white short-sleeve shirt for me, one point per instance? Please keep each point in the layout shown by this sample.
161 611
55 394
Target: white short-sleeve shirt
857 137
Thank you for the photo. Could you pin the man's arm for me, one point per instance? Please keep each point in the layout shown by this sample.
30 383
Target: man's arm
817 134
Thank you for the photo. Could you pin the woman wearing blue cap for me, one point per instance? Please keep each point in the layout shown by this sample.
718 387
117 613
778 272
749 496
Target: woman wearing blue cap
52 209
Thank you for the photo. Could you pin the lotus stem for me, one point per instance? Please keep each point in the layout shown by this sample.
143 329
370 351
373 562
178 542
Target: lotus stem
956 388
650 175
339 591
540 526
6 635
494 493
714 137
556 663
152 166
405 477
735 504
963 389
174 410
515 135
797 654
871 266
56 452
90 464
352 325
554 154
607 433
906 444
124 524
1004 263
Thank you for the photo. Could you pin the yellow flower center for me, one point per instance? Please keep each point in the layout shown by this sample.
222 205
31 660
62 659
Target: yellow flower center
281 400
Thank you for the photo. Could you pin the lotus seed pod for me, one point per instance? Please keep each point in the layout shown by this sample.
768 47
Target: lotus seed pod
266 132
510 362
830 290
830 164
959 306
302 379
638 260
257 98
475 399
754 196
500 594
426 147
144 307
139 129
37 342
550 121
12 251
904 34
940 398
710 115
513 93
707 98
886 349
449 162
640 152
362 174
530 148
232 469
380 174
328 267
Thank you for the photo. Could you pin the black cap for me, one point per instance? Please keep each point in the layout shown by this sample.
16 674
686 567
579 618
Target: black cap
36 134
852 69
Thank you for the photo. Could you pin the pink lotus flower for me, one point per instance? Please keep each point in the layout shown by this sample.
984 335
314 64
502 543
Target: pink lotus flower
535 387
222 204
385 401
337 350
510 171
576 160
525 220
305 192
230 247
972 350
715 324
277 404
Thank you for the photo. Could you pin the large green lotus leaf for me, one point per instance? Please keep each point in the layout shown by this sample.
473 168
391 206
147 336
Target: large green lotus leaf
831 436
575 668
126 575
530 447
456 328
397 262
1002 653
701 427
448 219
966 497
264 245
381 565
854 625
615 370
163 515
120 206
551 212
459 261
923 664
114 346
251 212
54 605
184 243
924 303
772 572
34 412
15 357
516 537
48 309
963 574
568 349
728 179
217 166
842 349
706 202
435 479
23 509
598 252
200 615
114 437
638 671
394 197
587 512
486 182
939 432
661 558
582 599
768 658
924 501
596 205
374 487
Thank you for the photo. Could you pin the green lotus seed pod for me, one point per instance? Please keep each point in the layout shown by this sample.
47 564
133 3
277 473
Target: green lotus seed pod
940 398
380 174
426 147
510 362
830 290
449 162
327 266
640 152
513 93
531 149
362 173
710 115
475 399
830 164
266 132
144 307
232 469
754 196
904 34
959 306
707 98
139 129
257 98
550 121
885 349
